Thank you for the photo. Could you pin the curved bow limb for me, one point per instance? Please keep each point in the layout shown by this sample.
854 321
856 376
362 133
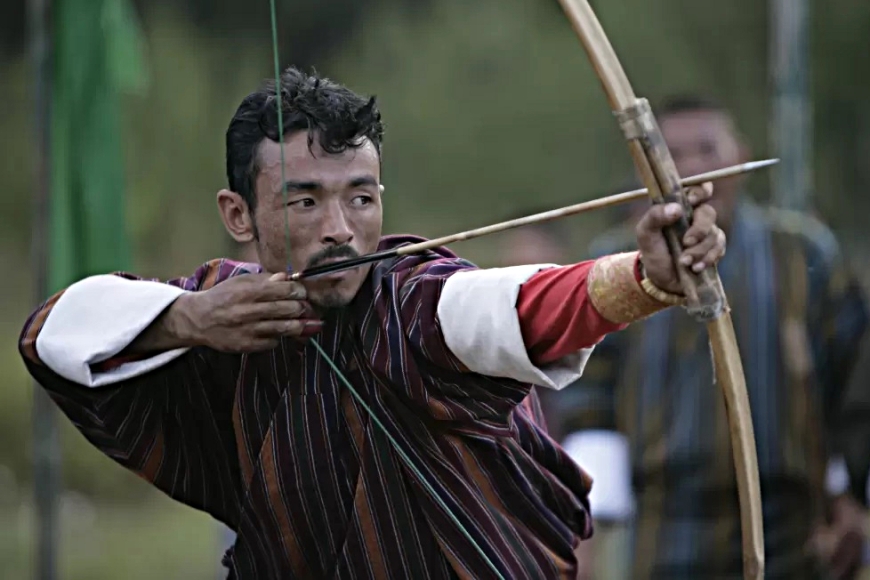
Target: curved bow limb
705 296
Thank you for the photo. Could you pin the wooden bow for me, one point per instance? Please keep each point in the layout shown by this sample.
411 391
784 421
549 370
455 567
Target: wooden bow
706 300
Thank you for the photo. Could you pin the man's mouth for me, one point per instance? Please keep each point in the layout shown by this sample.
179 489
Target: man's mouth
336 256
333 275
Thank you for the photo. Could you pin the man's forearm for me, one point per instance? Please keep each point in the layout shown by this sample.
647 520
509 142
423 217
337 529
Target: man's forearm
538 323
563 310
85 333
169 331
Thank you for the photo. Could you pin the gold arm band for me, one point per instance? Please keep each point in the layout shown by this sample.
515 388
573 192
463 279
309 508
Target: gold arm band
616 294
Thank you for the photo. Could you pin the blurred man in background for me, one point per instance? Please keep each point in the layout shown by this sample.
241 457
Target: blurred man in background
544 243
799 315
840 540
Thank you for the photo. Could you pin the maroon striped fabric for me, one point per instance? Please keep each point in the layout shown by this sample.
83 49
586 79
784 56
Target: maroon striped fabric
273 445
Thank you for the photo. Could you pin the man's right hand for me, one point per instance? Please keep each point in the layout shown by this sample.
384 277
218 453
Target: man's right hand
246 313
243 314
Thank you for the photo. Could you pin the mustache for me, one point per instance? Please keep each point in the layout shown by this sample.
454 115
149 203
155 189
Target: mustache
331 253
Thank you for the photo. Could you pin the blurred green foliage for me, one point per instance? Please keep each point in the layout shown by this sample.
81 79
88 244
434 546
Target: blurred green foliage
491 108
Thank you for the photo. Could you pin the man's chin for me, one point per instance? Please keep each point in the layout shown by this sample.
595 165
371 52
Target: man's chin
331 299
325 294
330 302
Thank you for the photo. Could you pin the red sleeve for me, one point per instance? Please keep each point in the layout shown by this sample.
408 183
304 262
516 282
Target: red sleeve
557 317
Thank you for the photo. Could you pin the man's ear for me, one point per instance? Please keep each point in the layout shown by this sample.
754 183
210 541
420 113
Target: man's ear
745 151
236 216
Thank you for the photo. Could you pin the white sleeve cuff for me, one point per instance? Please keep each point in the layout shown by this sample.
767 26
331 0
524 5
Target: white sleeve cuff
479 320
837 476
97 318
604 455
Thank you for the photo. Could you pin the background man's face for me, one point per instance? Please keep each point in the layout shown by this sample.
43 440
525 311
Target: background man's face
702 141
333 212
530 246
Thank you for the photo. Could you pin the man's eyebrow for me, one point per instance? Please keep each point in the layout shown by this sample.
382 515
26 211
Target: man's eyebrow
296 186
364 180
301 185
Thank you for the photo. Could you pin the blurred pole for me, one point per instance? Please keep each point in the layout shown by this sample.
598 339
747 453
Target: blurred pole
46 455
791 132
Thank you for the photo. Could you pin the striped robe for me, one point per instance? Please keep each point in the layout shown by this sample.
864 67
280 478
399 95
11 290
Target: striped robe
275 447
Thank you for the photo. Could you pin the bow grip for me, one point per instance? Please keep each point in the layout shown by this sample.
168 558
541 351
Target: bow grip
705 297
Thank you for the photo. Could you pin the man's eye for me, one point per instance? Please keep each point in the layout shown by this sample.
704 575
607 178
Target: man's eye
708 148
362 200
304 202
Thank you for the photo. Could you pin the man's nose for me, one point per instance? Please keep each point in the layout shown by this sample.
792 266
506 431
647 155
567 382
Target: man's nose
336 227
691 165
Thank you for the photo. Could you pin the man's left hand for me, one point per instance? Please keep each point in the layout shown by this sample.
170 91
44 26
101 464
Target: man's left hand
840 543
703 244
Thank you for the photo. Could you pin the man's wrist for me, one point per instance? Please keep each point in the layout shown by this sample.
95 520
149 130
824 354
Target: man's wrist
182 320
650 288
618 292
174 328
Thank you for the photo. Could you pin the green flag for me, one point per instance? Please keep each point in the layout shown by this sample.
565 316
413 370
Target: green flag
97 56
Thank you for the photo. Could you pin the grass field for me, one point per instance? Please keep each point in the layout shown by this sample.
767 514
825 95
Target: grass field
154 539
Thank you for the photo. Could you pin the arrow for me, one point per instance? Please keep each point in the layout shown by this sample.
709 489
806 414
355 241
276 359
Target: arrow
333 267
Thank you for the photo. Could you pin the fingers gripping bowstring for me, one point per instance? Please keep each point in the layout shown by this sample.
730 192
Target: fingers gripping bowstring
404 456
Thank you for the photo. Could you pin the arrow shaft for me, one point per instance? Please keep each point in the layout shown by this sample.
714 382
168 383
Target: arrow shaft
546 216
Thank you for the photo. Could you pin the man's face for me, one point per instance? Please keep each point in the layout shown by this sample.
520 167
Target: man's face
702 141
332 212
531 247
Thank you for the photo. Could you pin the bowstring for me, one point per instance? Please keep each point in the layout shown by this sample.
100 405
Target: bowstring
342 378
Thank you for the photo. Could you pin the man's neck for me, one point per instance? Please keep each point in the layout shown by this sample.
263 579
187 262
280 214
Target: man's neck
727 219
726 223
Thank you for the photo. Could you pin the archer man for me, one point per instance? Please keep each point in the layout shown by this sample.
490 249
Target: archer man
212 388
